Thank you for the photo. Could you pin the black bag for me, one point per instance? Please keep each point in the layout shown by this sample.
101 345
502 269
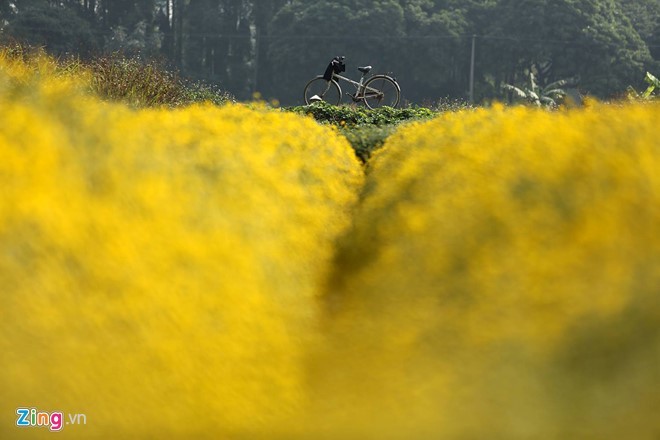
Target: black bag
336 66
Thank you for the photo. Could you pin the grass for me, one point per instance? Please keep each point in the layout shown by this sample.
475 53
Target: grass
136 82
148 84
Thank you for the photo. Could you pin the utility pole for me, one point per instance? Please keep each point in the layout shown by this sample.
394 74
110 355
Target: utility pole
255 78
474 37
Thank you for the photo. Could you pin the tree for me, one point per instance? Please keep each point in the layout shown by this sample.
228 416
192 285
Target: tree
306 35
644 16
435 53
219 43
130 26
542 95
275 46
609 54
141 41
125 13
60 29
589 38
6 10
263 13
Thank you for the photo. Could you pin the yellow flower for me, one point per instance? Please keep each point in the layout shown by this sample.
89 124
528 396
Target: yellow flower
160 269
224 273
501 280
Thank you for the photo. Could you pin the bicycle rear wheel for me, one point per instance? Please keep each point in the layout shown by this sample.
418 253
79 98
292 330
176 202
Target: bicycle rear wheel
319 89
380 91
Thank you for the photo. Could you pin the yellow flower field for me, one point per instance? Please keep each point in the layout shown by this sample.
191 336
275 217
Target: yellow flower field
159 269
232 273
502 280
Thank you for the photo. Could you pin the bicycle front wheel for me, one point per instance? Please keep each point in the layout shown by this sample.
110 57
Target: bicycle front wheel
380 91
319 89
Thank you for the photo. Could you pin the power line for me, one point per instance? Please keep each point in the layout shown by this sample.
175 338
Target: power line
234 36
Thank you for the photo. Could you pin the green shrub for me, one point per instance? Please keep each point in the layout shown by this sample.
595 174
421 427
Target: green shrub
365 129
348 116
367 138
147 84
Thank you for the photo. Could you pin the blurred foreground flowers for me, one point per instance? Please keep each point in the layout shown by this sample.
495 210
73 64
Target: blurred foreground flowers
502 280
176 273
159 269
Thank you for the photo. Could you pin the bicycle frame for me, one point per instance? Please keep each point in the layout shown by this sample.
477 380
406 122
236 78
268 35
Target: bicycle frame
361 88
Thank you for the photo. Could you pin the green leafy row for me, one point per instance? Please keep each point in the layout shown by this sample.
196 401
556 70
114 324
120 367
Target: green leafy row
353 116
365 129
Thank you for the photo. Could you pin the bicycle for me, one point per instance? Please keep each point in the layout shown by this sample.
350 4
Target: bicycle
378 90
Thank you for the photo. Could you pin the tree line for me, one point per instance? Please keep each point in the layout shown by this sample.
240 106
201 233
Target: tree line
274 46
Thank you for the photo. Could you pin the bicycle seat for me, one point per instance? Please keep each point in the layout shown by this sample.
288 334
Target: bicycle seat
364 69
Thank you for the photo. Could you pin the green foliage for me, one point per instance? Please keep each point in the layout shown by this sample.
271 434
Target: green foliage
62 30
275 46
365 129
350 116
438 46
611 51
145 84
547 96
651 91
209 56
366 139
592 39
644 15
654 84
140 40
